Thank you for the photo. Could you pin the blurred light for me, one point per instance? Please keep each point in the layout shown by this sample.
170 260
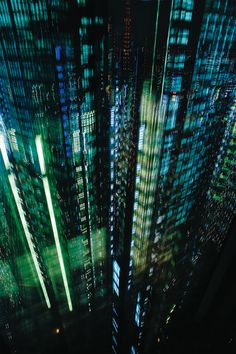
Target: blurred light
28 236
4 152
39 147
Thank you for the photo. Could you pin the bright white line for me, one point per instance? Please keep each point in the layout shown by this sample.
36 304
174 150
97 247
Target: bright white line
4 152
52 217
39 148
28 236
56 237
22 217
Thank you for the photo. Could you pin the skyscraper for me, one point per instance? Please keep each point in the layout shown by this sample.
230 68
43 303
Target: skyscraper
52 163
117 160
181 131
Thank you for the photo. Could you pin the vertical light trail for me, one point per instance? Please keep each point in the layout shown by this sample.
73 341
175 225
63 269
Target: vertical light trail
39 148
28 236
166 55
27 233
154 45
152 115
4 153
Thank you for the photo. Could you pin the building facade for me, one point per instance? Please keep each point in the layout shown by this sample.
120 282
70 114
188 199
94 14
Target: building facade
54 166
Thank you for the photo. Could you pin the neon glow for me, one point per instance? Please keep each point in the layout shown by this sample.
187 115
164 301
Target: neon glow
39 148
4 152
23 220
40 154
28 236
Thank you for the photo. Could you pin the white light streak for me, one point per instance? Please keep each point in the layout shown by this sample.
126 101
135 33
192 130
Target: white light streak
39 148
4 152
28 236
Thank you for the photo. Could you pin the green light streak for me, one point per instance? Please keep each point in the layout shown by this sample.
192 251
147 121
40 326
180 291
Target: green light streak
28 236
39 148
22 218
